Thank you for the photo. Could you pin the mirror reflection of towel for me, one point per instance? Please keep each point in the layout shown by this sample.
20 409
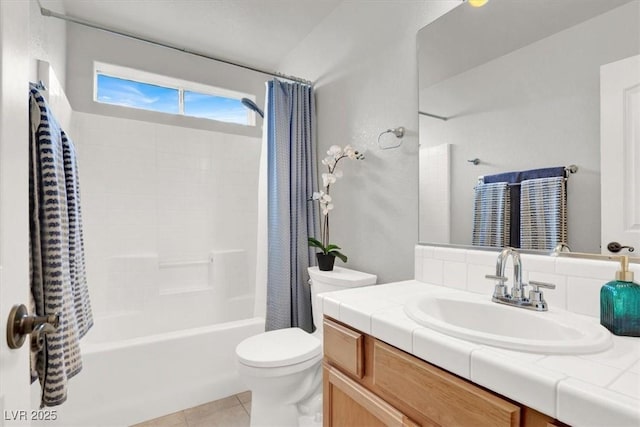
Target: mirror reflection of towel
543 213
491 215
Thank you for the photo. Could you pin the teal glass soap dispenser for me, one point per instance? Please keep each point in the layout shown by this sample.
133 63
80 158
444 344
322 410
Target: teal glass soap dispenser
620 303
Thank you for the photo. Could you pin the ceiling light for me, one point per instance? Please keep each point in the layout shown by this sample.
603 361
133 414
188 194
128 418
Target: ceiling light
477 3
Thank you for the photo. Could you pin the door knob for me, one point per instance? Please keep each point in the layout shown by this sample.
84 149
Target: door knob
616 247
21 323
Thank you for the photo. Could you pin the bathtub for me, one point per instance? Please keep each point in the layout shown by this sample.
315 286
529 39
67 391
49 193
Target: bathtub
163 341
128 381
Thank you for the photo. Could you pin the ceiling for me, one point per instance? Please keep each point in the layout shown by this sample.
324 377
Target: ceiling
259 33
468 37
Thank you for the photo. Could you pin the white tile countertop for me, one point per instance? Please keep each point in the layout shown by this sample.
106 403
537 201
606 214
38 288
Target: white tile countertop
600 389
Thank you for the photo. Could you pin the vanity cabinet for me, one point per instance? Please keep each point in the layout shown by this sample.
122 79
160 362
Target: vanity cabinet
370 383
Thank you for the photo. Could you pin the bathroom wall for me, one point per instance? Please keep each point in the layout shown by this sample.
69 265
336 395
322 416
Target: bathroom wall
362 58
156 196
521 109
47 40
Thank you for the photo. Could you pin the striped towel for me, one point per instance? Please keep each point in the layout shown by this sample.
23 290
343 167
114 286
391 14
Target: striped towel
491 215
58 279
543 213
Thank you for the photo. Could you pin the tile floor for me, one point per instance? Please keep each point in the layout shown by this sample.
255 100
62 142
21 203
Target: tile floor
232 411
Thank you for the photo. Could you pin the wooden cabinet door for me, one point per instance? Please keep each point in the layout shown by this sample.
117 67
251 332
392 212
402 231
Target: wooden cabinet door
348 404
439 396
344 347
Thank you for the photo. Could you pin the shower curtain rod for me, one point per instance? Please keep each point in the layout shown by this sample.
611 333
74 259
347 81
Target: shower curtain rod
47 12
435 116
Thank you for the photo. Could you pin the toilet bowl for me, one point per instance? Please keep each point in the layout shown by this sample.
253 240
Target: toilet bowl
283 368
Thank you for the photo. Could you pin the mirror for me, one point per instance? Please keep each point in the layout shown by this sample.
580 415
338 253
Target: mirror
518 84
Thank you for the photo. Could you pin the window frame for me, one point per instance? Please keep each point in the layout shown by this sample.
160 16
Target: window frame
145 77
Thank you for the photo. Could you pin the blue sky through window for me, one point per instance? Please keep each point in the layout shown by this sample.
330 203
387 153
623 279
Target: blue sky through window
215 108
134 94
129 93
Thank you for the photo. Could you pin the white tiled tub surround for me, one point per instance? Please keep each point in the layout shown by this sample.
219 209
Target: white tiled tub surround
162 194
588 390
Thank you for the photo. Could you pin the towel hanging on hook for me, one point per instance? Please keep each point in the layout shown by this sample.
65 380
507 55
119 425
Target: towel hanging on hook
40 85
398 132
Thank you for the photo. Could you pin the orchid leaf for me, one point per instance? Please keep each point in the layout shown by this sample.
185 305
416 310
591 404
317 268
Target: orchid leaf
316 243
340 255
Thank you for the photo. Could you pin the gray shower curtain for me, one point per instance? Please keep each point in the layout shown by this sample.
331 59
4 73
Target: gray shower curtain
292 216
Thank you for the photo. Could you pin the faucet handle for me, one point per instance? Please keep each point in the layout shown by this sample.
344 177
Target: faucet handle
537 285
536 297
500 290
500 279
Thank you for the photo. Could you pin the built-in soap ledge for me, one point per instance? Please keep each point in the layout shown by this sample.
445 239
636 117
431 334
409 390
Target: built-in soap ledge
137 279
185 290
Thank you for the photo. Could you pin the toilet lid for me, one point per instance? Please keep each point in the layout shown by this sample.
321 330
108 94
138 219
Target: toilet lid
282 347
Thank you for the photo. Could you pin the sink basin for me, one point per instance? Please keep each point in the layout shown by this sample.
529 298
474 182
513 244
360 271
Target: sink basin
475 318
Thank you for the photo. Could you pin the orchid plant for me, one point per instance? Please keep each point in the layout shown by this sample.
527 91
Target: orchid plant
335 154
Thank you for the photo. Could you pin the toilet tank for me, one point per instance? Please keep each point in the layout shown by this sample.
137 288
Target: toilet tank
337 279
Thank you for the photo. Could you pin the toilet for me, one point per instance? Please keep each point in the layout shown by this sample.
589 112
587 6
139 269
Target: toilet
282 368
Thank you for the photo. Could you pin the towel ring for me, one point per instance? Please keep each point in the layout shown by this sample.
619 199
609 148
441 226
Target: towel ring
398 132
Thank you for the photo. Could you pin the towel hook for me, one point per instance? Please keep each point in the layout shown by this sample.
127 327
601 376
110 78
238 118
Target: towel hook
475 161
398 132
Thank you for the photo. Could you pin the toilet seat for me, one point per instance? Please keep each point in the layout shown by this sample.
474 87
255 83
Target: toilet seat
279 348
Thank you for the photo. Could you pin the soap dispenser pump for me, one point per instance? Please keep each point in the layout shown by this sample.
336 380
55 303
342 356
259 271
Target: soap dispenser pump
620 303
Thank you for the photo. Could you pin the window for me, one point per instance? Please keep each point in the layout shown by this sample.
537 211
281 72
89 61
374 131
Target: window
214 107
129 93
131 88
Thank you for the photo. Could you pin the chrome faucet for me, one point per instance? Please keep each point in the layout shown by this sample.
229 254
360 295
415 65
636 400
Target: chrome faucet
535 300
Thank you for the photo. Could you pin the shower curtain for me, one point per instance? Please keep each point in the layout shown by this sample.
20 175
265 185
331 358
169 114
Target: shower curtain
292 217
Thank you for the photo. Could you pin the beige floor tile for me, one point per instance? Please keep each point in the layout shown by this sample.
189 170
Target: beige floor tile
176 419
234 416
228 412
245 396
208 408
247 407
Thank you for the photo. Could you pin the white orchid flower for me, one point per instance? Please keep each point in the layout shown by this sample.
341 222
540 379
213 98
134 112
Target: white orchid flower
335 151
328 179
326 208
352 153
335 154
329 161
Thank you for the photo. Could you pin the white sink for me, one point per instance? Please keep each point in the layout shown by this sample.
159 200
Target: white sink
476 318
